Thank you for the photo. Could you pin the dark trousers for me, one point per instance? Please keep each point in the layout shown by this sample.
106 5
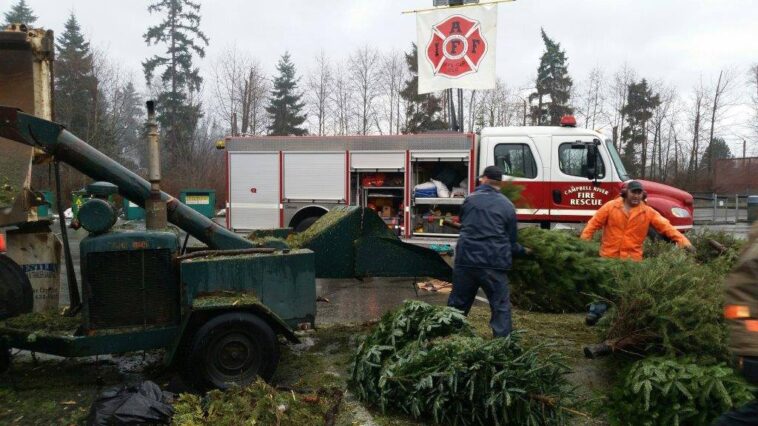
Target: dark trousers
494 282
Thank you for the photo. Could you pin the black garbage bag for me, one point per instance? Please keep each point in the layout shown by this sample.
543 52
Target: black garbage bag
144 403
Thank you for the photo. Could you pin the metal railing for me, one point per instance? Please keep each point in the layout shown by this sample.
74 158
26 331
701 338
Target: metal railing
720 208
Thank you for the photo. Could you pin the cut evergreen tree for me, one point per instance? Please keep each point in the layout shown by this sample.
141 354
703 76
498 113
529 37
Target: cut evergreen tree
20 13
422 112
717 250
667 305
285 104
553 86
425 361
563 274
669 391
179 109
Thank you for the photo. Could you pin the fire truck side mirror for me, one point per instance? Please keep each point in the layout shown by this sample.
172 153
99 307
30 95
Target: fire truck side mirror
592 162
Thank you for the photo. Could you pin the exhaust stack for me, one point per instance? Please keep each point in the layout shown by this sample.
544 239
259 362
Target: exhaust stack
155 208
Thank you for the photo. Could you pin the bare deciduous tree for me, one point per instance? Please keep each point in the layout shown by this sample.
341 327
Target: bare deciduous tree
617 94
343 102
239 90
697 110
659 126
393 75
721 101
319 88
591 98
364 76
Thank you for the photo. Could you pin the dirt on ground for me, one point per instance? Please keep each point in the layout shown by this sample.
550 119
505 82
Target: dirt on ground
60 391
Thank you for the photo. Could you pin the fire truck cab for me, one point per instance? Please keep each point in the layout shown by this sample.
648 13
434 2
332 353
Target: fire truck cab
568 173
416 181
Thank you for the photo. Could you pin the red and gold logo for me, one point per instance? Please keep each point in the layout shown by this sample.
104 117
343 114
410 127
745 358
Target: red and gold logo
456 47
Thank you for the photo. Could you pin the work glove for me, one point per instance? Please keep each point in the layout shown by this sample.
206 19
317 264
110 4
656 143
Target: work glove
690 248
528 251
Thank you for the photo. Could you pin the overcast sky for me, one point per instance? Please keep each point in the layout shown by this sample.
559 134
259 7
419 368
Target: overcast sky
676 41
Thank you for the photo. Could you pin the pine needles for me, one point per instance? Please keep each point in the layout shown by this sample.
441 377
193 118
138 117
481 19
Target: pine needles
562 274
425 361
667 305
667 391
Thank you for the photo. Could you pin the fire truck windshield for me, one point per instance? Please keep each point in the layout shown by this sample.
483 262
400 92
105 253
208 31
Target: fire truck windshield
616 158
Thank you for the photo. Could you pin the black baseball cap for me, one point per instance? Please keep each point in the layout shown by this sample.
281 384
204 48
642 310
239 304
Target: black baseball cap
634 186
493 172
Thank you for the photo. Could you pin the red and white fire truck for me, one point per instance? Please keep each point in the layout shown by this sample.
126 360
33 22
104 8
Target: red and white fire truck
567 173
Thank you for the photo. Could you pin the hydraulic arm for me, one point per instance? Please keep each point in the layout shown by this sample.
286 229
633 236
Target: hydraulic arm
54 139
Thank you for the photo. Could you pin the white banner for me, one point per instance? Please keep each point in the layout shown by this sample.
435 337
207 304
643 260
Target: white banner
456 48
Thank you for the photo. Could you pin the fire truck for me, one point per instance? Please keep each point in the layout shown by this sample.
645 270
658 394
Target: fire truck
414 182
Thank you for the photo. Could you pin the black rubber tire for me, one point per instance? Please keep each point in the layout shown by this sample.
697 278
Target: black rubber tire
305 223
16 296
231 349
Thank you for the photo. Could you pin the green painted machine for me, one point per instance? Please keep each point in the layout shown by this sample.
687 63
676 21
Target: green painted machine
218 311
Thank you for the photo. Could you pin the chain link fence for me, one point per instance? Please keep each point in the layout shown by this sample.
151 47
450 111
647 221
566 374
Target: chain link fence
712 208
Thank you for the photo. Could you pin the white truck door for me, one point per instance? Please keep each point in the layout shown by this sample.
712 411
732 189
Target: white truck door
574 197
254 190
522 164
318 176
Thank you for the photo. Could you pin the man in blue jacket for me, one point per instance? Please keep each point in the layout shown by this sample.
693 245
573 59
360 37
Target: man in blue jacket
484 251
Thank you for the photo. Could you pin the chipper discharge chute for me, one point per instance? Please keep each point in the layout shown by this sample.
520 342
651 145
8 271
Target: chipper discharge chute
354 242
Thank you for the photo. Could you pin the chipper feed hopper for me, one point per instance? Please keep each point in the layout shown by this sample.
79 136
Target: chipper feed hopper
218 311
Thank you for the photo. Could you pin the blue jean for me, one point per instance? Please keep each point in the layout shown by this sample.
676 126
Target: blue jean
494 282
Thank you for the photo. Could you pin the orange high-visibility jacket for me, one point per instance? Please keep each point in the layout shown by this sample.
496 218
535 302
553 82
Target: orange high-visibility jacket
624 233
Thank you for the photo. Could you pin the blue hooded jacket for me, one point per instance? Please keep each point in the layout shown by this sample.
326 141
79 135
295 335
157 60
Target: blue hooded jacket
488 231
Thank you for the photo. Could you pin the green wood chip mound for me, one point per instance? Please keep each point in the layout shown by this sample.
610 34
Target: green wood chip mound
257 404
48 322
426 362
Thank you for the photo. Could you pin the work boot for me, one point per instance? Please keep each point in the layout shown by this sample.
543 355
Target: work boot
595 312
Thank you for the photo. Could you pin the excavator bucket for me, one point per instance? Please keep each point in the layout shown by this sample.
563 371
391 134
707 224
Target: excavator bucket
355 242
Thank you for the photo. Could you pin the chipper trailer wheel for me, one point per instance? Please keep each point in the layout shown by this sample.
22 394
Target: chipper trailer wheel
15 289
232 349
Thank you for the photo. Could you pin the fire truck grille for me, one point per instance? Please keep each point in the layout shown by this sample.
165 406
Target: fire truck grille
130 288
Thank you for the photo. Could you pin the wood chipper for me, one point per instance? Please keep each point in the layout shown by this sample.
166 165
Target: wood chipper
217 311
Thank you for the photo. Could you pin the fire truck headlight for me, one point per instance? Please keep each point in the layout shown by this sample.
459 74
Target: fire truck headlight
680 212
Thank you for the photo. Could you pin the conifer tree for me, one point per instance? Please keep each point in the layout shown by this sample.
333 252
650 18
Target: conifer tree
641 101
178 107
285 104
20 13
422 112
553 86
75 84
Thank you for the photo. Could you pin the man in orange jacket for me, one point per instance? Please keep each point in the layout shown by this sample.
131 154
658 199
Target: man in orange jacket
625 222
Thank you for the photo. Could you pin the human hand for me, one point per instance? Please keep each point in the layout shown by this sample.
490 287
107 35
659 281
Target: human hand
528 251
